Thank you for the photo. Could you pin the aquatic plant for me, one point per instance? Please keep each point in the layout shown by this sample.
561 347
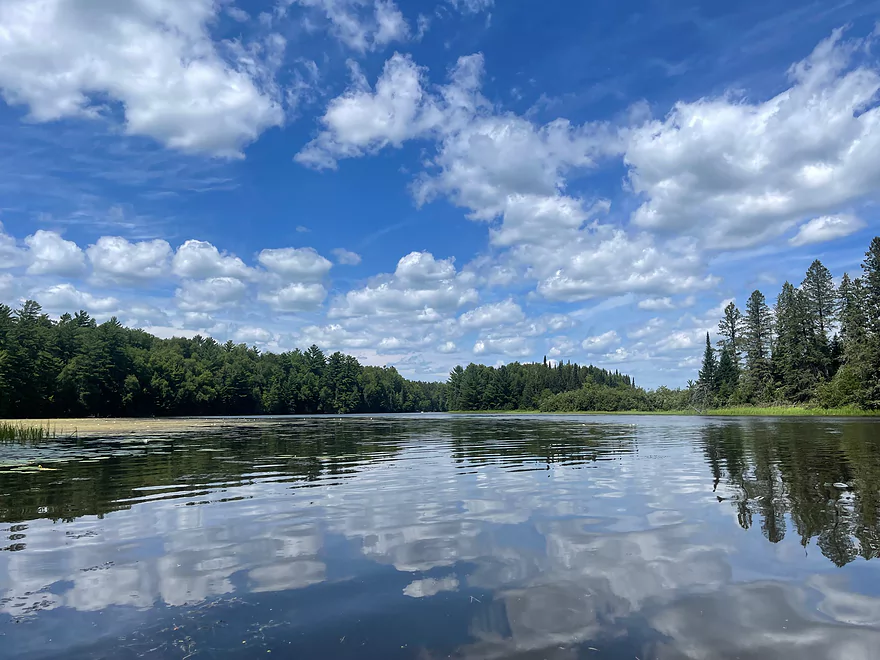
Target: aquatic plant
19 432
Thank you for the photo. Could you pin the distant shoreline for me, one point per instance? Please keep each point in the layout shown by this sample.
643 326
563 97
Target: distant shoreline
64 427
769 411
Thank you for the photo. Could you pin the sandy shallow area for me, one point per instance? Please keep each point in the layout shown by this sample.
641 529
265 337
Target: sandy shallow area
121 425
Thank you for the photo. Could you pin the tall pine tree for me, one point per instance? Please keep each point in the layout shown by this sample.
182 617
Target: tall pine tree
795 361
871 267
727 376
758 337
821 297
707 386
851 311
732 328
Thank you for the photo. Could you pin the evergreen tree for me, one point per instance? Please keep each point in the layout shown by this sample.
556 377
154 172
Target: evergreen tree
871 282
796 363
851 311
870 351
757 340
727 375
732 328
708 382
821 298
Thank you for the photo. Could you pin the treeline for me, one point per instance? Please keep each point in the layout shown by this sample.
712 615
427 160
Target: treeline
534 386
77 367
819 344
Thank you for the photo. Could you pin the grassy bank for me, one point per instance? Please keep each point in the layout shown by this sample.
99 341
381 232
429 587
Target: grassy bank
744 411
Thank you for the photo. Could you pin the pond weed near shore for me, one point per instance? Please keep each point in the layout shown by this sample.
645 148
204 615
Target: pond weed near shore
21 432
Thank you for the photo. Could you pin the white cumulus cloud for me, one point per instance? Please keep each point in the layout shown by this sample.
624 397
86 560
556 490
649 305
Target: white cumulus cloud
252 335
67 298
52 255
492 315
296 297
119 259
155 57
210 295
295 263
421 283
736 172
200 259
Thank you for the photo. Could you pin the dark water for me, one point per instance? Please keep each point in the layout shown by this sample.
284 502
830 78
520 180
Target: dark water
433 537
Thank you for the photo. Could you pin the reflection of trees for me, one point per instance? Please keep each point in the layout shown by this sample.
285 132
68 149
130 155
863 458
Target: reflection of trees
95 477
825 477
101 475
544 441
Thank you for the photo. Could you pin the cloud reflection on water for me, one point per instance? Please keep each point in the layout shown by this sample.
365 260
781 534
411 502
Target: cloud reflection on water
556 534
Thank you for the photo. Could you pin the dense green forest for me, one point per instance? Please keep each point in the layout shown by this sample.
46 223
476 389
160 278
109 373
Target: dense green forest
554 388
819 344
76 367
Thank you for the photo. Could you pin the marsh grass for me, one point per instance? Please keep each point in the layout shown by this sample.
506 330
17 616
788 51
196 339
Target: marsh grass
26 432
792 411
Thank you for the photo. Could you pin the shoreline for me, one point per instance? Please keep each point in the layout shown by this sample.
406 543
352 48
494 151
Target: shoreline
87 426
769 411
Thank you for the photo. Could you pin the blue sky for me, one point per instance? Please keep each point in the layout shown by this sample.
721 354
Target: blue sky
426 184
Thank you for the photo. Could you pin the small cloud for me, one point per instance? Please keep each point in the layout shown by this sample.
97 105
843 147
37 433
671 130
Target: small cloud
826 228
237 14
656 304
665 303
303 230
252 335
562 347
600 342
648 329
422 23
447 347
346 257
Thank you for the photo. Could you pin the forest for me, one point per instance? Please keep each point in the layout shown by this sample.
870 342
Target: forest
818 345
562 387
75 367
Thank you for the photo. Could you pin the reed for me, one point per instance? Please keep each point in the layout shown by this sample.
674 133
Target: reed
26 432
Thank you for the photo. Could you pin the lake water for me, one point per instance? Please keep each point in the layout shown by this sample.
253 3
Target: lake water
448 536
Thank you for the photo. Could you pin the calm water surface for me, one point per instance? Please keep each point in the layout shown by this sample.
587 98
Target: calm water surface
433 537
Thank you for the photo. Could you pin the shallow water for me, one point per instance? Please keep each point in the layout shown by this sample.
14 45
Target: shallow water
447 536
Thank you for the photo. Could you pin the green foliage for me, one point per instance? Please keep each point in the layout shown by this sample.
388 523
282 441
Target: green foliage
820 298
726 377
534 386
707 385
593 397
790 355
732 330
758 338
76 367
